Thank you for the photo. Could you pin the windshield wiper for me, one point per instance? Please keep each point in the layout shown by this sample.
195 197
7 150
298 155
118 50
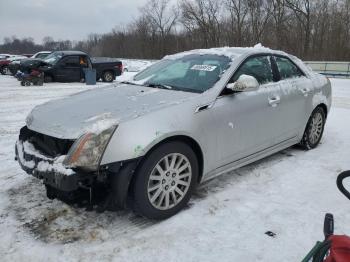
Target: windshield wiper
161 86
130 83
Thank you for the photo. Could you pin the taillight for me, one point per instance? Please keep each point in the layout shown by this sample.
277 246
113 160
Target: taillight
120 67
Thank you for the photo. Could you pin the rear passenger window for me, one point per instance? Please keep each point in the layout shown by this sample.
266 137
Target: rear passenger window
287 69
259 67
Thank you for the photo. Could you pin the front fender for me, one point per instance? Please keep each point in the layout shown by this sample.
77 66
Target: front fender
323 93
134 138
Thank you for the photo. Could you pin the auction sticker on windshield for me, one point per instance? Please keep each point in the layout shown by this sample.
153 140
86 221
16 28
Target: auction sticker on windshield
208 68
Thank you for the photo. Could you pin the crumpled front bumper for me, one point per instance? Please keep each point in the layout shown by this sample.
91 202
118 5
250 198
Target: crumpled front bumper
53 174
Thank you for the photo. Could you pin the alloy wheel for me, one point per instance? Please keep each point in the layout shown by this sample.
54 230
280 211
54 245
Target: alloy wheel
169 181
316 128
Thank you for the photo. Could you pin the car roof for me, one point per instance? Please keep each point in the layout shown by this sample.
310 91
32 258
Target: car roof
70 52
231 52
44 52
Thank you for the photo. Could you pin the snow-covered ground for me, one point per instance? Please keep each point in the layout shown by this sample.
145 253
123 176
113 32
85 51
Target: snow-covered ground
135 65
226 220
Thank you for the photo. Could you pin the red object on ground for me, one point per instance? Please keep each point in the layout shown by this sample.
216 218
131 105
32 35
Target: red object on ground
5 62
35 73
340 249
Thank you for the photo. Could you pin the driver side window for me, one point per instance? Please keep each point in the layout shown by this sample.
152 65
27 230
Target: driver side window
71 61
258 67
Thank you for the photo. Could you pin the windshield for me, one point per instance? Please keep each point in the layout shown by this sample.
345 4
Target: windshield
192 73
42 55
53 58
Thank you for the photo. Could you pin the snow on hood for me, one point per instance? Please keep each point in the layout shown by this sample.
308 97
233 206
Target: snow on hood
98 109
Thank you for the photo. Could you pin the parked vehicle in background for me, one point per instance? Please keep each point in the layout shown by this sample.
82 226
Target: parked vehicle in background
4 56
27 55
182 121
4 64
23 64
67 66
41 54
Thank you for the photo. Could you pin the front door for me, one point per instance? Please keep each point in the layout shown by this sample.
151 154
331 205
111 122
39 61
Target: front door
68 69
248 121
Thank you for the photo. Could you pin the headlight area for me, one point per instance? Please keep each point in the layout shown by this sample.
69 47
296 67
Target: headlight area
87 151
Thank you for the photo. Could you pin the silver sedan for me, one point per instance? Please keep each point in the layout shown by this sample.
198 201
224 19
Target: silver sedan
186 119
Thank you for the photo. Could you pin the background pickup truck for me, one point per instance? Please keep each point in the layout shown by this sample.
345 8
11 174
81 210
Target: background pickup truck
68 66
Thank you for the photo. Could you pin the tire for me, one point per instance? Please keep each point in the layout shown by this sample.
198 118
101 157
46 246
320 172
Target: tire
165 187
48 79
5 70
314 129
27 83
126 70
22 83
108 76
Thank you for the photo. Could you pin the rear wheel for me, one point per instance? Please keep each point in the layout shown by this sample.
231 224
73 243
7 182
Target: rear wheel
314 129
108 76
165 181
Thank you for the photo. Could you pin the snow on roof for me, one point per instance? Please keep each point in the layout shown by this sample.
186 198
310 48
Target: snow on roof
231 52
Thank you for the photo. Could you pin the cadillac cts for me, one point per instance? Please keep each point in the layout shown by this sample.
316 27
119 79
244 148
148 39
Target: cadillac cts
147 143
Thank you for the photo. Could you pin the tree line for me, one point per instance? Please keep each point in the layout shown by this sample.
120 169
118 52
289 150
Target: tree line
310 29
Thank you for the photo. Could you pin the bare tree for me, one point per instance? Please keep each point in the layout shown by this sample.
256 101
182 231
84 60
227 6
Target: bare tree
161 18
204 16
302 10
259 12
280 17
238 13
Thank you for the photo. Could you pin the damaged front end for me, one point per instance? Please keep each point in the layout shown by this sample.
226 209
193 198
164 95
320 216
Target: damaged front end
71 170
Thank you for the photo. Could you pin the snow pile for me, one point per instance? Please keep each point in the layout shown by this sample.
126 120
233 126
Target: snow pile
246 82
56 166
28 164
230 52
132 65
44 165
30 149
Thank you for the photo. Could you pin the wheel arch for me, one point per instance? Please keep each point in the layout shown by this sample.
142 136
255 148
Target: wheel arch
107 70
191 142
181 138
324 107
50 75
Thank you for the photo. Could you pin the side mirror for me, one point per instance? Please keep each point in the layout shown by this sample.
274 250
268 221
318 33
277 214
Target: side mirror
243 84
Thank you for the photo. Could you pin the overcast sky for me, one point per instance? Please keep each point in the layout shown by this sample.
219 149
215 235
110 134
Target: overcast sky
64 19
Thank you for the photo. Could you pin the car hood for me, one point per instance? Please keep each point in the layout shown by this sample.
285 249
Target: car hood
97 109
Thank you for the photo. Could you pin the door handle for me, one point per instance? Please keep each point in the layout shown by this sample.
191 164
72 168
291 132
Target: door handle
274 101
305 91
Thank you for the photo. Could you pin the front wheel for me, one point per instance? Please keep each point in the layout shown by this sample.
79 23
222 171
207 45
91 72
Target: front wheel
48 79
165 181
314 129
5 70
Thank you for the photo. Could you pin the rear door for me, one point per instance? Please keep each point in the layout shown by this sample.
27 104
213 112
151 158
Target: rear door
68 69
248 122
295 96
